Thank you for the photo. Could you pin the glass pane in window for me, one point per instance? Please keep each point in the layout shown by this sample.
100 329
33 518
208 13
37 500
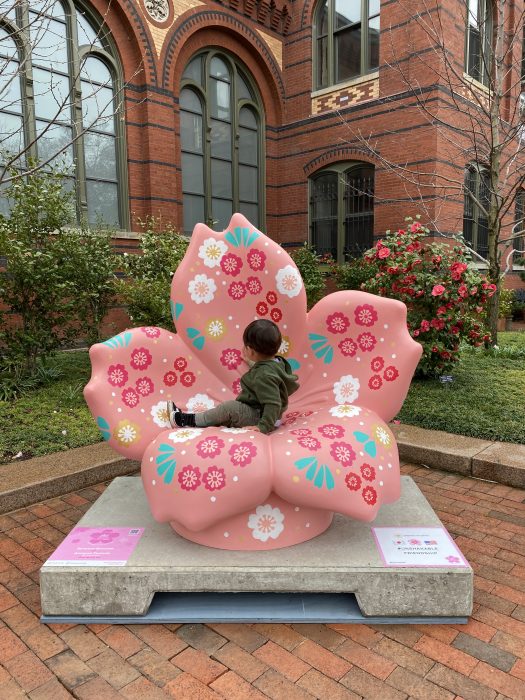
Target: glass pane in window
221 178
48 42
220 99
322 63
52 97
373 7
5 202
11 137
100 157
322 20
10 86
348 53
247 183
324 236
474 59
221 139
7 46
53 8
373 43
54 139
324 196
191 131
221 212
94 70
97 108
346 12
189 100
192 173
243 90
193 211
86 33
247 118
250 211
473 12
193 70
248 142
219 69
102 201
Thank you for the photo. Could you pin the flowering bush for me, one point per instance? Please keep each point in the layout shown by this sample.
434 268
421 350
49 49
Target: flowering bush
444 294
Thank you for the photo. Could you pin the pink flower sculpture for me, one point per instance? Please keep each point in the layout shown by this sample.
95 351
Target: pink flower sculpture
333 450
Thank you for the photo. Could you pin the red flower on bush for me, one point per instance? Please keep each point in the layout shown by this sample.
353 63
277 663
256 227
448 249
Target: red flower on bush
457 269
375 382
438 290
383 253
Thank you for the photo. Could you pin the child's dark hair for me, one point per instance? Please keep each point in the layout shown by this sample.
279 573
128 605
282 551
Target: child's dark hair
263 336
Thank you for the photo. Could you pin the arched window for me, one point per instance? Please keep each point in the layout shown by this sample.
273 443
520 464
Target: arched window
479 40
476 203
60 103
346 40
221 143
342 210
519 225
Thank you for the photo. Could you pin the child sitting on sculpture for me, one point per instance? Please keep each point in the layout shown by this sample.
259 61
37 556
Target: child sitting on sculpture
265 387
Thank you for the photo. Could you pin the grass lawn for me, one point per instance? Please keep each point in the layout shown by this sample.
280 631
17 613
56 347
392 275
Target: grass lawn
486 400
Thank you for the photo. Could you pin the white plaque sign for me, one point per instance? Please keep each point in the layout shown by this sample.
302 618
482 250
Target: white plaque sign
417 546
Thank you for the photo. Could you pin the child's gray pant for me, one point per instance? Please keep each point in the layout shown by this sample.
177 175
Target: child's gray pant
232 414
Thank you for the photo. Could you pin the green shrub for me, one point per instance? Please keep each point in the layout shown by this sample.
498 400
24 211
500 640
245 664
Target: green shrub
506 302
354 273
309 265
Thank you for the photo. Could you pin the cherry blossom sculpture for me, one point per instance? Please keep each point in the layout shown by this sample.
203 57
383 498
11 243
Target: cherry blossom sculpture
238 488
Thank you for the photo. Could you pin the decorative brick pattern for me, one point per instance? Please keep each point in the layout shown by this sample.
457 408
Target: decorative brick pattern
345 97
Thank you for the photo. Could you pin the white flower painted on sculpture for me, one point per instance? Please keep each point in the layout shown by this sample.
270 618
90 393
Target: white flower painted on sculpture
266 522
285 346
234 430
184 434
159 413
382 435
202 289
211 251
346 390
345 410
288 281
199 403
216 328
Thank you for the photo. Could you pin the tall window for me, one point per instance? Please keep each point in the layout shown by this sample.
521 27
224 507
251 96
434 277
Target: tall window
59 103
221 143
476 203
342 210
519 225
346 40
479 40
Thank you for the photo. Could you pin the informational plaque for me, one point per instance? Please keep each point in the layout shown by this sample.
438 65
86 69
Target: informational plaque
96 546
417 546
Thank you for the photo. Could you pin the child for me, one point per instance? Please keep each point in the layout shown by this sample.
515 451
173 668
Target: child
264 388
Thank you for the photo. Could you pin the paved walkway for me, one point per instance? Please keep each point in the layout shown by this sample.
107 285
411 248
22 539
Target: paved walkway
483 660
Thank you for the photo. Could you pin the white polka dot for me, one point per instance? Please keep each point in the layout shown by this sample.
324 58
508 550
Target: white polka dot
252 437
236 478
223 388
164 359
305 355
153 482
385 326
389 465
230 439
361 454
296 509
170 337
266 271
288 454
285 326
288 441
358 359
113 393
237 325
394 356
230 318
266 244
212 499
142 410
217 273
119 410
183 452
380 467
161 391
325 375
381 340
226 534
380 483
307 525
361 422
151 459
279 252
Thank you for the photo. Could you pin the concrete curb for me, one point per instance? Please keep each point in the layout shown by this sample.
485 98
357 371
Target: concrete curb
34 480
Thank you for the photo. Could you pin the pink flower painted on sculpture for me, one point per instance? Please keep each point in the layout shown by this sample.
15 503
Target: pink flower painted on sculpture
391 373
144 386
189 478
141 358
214 479
151 331
130 397
369 495
187 378
343 453
231 358
271 298
368 472
311 443
242 453
253 285
210 446
301 432
237 290
337 322
365 315
353 481
348 347
170 378
180 364
330 430
256 259
375 382
377 364
366 342
117 375
231 264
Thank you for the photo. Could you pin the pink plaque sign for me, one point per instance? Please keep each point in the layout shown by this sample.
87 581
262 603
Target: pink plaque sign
96 546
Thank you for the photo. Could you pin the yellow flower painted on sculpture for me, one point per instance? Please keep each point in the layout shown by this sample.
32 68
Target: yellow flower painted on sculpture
382 435
286 346
126 433
216 328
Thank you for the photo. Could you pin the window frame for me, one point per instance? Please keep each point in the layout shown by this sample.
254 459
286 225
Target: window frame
481 172
518 241
486 31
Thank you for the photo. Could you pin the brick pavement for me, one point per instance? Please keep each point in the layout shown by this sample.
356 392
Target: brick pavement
483 660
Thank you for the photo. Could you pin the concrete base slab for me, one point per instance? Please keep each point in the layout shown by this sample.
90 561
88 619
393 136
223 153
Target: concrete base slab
344 559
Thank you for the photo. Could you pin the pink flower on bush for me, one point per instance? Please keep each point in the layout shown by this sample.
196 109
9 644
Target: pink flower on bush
457 269
130 397
271 298
377 364
262 308
231 264
187 378
170 378
369 495
242 453
276 315
375 382
425 326
253 285
189 478
210 446
301 432
141 358
337 322
343 453
391 373
256 259
237 290
441 310
348 347
368 472
353 481
231 358
151 331
330 430
463 290
117 375
214 479
438 290
180 364
311 443
144 386
383 253
365 315
366 342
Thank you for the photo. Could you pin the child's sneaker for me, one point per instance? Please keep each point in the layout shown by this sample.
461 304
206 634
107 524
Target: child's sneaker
177 418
